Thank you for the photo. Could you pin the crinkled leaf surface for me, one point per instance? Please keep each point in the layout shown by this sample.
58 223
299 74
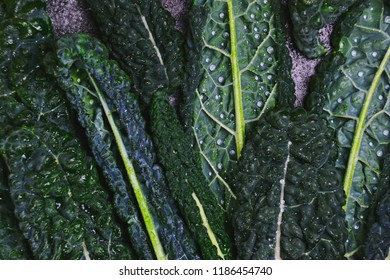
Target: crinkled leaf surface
142 37
353 88
378 240
289 194
101 93
238 65
309 17
61 207
185 178
13 246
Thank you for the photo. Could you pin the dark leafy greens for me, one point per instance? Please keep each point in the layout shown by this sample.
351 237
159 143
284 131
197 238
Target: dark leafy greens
189 187
60 205
309 17
101 93
238 69
142 37
352 88
289 194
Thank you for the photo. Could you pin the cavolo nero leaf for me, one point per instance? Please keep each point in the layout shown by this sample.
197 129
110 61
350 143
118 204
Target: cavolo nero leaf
378 240
352 87
13 246
142 37
238 66
186 181
109 112
289 194
58 200
308 17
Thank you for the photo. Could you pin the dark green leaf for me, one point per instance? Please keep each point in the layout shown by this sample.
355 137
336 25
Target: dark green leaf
142 37
238 66
352 88
289 194
101 93
309 17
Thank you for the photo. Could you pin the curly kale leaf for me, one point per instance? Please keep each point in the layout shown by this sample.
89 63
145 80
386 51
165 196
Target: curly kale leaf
289 194
142 37
101 93
238 70
352 88
186 181
309 17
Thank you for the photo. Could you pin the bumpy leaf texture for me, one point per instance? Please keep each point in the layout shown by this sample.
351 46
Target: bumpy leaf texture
353 88
13 246
142 37
378 241
289 194
238 65
309 17
59 203
186 181
101 93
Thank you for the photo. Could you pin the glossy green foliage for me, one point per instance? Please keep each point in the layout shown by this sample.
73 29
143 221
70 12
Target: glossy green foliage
101 93
12 244
63 211
378 241
238 65
289 194
142 37
186 180
352 88
309 17
59 202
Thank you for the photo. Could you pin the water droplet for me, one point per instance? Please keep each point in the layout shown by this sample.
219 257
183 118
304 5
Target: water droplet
204 90
356 226
219 142
380 97
217 97
270 50
262 64
265 1
374 54
58 205
255 29
210 173
212 67
387 86
221 15
379 153
219 165
259 103
245 27
252 16
387 19
265 15
232 152
267 93
365 17
222 44
222 116
282 181
269 77
201 142
339 100
361 74
371 144
385 132
213 32
257 36
353 53
226 35
269 59
207 60
256 78
221 79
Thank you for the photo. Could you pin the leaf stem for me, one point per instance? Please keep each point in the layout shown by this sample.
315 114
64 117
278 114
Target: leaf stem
237 91
358 136
143 206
